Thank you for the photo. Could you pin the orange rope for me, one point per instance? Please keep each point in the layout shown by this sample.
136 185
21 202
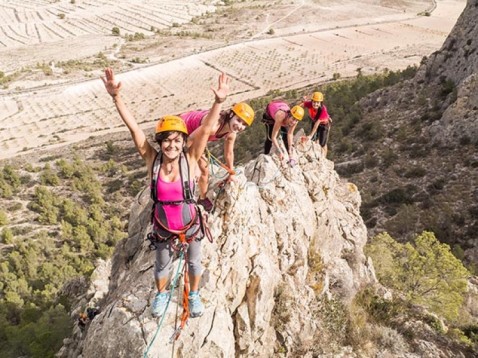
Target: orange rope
185 314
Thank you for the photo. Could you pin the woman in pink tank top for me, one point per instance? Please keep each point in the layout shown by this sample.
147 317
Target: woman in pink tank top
172 137
231 122
278 117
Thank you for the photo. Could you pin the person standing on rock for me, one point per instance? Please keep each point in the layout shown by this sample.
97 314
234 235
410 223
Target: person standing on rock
278 117
321 120
231 122
175 212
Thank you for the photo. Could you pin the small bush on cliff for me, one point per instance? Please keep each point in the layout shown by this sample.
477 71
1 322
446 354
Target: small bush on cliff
425 271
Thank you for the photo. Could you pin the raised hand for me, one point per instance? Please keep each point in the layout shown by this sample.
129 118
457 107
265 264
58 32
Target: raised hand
111 86
222 89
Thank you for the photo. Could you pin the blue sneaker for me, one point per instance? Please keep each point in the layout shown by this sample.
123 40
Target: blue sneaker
196 308
159 304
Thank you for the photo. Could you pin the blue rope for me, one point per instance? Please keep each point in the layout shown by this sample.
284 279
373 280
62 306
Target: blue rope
171 287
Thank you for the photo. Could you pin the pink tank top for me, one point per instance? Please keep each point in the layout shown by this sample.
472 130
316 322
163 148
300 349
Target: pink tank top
193 120
274 107
173 192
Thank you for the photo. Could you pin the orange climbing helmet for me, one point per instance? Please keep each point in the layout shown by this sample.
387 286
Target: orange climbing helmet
171 123
297 112
244 112
317 97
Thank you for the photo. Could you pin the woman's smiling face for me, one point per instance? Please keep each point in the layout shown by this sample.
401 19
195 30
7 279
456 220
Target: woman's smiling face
315 104
236 124
173 145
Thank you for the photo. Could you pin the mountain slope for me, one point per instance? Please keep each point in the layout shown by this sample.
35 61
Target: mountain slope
419 168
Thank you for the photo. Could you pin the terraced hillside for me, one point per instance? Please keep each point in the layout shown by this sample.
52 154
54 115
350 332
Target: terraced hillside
64 105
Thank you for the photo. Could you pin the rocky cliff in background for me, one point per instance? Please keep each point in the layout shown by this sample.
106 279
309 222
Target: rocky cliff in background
283 237
416 146
457 63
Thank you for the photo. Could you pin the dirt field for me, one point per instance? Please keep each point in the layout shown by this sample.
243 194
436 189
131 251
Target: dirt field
262 45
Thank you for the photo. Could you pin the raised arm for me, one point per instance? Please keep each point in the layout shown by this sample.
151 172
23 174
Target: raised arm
145 149
199 141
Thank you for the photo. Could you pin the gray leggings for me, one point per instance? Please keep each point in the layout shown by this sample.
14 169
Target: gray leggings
165 254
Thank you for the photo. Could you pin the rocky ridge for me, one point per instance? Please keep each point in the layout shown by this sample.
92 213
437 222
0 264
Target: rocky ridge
267 229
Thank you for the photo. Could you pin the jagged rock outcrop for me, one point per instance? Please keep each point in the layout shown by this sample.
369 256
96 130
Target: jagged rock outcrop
267 229
417 169
457 63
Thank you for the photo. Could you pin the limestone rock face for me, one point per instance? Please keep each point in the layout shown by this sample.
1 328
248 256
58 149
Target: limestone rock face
460 120
268 229
457 61
458 57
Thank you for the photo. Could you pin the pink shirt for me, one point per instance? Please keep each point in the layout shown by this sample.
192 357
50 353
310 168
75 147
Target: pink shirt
324 115
193 120
274 107
173 192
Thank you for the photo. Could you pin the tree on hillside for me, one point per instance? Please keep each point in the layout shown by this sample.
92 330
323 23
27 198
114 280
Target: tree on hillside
425 271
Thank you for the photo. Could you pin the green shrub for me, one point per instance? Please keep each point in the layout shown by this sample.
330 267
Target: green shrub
3 218
380 310
48 177
397 196
415 172
45 203
425 270
6 236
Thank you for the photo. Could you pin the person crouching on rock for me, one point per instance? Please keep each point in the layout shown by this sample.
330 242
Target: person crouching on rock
320 119
231 122
175 215
278 117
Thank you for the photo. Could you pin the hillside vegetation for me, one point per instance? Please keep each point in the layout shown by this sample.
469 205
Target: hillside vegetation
61 212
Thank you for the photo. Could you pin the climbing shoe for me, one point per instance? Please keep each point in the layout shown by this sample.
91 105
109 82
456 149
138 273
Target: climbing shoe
206 204
159 304
196 308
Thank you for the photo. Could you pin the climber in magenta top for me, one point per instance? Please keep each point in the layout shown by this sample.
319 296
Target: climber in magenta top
321 120
279 117
231 122
174 205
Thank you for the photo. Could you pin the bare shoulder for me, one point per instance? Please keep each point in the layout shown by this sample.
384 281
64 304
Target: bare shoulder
192 164
149 159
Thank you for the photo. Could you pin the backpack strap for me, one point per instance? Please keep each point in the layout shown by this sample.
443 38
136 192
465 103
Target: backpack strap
154 177
185 180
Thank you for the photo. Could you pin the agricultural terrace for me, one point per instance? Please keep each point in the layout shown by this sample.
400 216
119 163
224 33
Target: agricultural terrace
56 114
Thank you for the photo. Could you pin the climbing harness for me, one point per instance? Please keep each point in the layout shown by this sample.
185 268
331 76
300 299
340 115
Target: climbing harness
196 224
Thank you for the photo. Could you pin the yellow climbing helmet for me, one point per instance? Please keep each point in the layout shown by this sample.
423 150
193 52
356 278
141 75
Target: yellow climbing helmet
171 123
317 97
297 112
244 112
